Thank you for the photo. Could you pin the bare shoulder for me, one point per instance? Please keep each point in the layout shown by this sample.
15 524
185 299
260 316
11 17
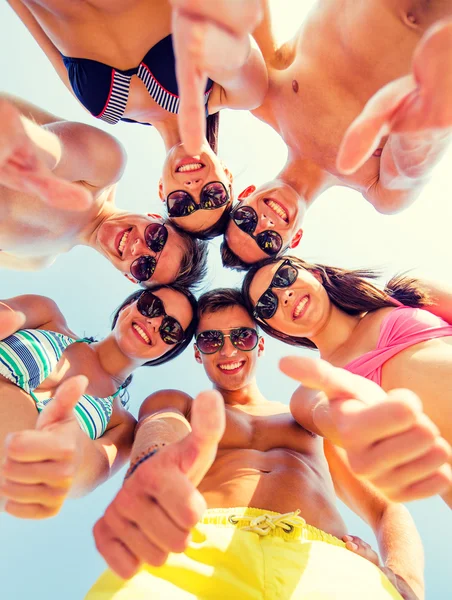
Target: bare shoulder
171 400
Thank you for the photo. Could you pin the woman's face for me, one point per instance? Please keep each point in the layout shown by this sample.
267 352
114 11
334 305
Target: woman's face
302 308
194 175
138 336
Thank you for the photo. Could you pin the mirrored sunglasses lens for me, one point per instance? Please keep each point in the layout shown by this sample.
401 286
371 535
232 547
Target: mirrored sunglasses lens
143 268
171 331
244 338
209 342
214 195
266 305
246 219
150 306
155 236
180 204
269 241
284 276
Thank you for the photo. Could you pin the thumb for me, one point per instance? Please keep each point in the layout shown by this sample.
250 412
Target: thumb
363 136
61 407
197 451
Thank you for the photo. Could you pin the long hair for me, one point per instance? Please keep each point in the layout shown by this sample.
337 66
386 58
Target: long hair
212 128
175 349
352 291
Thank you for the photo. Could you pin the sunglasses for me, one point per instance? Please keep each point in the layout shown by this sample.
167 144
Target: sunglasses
242 338
151 306
181 204
269 241
155 236
267 304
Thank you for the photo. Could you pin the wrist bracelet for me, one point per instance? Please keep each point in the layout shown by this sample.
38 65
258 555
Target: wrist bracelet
141 458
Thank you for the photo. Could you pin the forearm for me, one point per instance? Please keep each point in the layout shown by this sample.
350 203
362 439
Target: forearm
401 547
158 429
29 110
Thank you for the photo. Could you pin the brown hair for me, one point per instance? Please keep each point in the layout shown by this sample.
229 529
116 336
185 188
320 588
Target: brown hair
230 259
212 127
219 299
349 290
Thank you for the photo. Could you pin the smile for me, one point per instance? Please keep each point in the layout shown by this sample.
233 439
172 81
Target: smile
141 333
123 241
231 367
300 307
277 208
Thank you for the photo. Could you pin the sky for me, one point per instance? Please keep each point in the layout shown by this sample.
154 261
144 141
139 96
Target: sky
56 559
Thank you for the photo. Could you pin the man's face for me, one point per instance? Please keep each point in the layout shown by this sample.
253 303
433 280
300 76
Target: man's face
191 174
229 368
121 239
279 208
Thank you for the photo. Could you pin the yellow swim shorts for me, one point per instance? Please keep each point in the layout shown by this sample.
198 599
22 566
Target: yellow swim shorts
252 554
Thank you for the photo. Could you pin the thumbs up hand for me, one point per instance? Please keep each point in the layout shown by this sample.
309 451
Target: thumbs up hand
389 440
158 504
40 464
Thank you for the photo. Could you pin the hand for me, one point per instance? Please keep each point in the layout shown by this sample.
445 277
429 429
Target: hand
157 506
23 170
388 439
39 465
208 37
362 548
415 104
400 584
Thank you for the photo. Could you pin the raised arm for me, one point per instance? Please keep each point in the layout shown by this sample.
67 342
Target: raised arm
398 539
440 294
415 112
28 312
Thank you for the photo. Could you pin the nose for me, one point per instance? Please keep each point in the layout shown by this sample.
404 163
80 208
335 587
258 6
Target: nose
139 247
194 183
155 322
286 297
266 222
228 349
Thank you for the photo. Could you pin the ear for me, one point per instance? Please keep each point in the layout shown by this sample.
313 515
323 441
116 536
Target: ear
228 173
317 275
155 216
130 278
247 192
197 354
161 194
296 239
261 347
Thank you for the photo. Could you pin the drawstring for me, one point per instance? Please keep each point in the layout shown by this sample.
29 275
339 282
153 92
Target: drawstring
264 524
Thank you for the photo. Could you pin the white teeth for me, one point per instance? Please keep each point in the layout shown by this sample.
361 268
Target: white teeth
278 209
190 167
230 366
123 241
300 306
142 333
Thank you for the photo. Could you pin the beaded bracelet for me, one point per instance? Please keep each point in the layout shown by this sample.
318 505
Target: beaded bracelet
141 458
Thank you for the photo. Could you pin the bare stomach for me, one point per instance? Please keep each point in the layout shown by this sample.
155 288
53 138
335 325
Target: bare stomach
278 480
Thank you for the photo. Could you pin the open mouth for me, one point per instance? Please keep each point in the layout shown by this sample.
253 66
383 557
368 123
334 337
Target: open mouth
277 208
231 368
121 240
141 334
300 307
189 165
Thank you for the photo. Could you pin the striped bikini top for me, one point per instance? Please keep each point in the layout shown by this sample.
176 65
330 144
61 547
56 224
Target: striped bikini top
27 358
104 90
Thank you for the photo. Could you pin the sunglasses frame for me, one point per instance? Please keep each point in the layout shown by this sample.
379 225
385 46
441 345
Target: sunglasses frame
225 335
148 256
164 314
285 262
200 205
251 233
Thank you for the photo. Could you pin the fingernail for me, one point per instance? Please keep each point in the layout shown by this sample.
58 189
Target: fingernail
347 538
352 546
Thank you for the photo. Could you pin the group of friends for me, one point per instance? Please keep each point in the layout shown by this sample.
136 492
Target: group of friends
230 495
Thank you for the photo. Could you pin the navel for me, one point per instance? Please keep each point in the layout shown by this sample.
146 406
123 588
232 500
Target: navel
295 85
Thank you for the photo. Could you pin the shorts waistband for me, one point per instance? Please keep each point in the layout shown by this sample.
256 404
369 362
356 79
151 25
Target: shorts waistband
289 526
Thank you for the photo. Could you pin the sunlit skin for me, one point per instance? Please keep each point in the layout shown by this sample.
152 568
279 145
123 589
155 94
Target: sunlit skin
207 167
287 221
113 229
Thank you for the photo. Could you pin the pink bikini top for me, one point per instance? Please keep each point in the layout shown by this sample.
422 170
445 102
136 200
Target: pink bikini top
401 328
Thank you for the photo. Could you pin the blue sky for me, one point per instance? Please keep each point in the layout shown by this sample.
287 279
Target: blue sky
56 559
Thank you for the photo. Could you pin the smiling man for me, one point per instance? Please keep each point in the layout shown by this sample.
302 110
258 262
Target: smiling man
272 528
197 191
57 186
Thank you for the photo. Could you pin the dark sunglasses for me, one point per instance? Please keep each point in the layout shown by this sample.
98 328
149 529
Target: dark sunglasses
212 340
181 204
155 236
269 241
267 304
151 306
